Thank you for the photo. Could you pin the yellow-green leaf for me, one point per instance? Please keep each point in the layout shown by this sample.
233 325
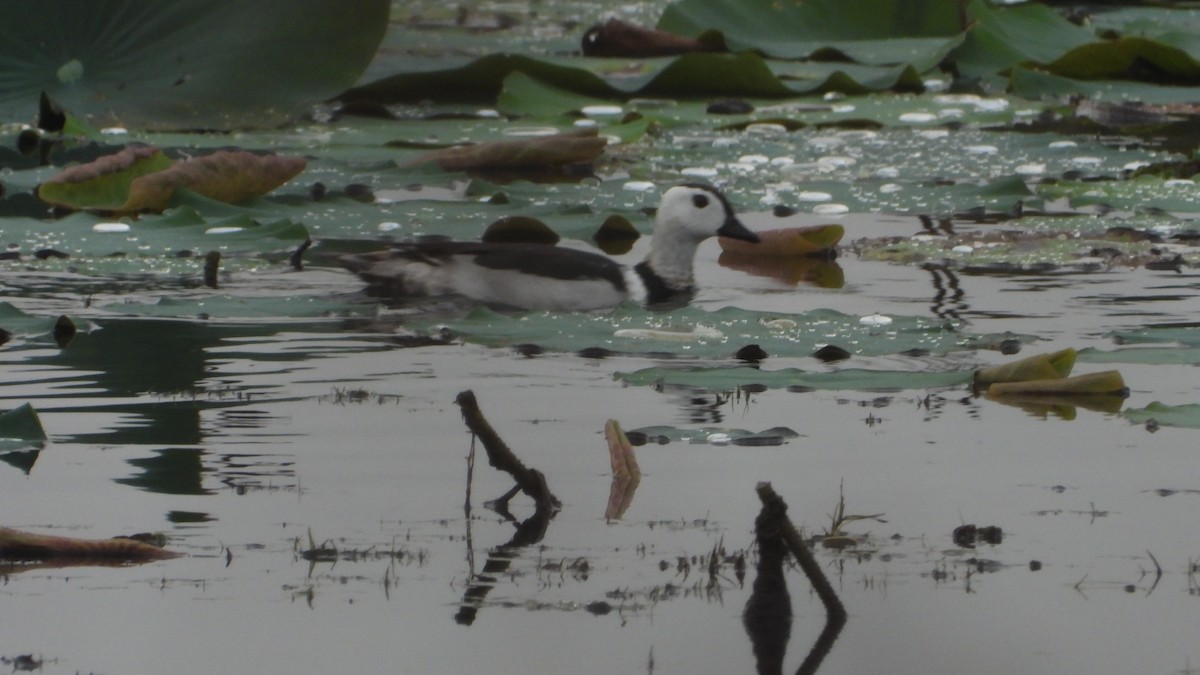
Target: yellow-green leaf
1106 382
103 184
1038 367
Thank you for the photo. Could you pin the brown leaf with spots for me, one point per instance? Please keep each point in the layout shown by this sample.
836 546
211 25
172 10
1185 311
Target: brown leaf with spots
230 176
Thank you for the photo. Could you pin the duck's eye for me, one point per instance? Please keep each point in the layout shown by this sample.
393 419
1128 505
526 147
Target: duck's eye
700 201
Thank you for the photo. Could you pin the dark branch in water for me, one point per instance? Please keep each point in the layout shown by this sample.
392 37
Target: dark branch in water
773 522
529 532
529 481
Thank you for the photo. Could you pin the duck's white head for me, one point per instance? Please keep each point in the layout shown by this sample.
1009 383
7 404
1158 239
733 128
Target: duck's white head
700 211
687 215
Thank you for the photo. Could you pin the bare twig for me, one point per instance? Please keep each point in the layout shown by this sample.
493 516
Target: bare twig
773 521
530 481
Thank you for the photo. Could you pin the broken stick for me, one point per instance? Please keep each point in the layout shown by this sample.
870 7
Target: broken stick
529 481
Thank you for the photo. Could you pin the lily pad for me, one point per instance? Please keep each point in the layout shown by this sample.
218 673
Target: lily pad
21 426
1186 416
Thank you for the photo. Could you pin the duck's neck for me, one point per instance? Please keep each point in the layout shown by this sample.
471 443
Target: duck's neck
670 259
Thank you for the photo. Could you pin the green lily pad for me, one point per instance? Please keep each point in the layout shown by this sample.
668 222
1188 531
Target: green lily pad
1156 356
212 64
1003 37
1186 416
1184 335
23 325
1140 193
22 426
1128 58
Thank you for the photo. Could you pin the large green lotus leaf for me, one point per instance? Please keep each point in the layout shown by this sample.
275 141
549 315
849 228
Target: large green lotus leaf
1132 58
214 64
690 75
723 379
809 77
880 32
479 79
1036 84
1003 37
696 332
526 96
1186 416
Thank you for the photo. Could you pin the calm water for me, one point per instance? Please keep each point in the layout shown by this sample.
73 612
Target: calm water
236 439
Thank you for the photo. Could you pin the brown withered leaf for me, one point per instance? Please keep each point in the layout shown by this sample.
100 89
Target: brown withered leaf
18 545
102 184
230 176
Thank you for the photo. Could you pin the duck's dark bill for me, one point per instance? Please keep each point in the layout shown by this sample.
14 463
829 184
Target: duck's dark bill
734 229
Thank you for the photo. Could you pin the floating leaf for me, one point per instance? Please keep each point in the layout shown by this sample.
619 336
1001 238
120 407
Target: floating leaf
1038 367
21 424
1127 58
1187 416
104 183
1155 356
143 179
1106 382
17 545
226 176
789 241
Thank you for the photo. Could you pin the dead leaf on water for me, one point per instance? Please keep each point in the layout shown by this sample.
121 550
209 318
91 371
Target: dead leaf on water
142 178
